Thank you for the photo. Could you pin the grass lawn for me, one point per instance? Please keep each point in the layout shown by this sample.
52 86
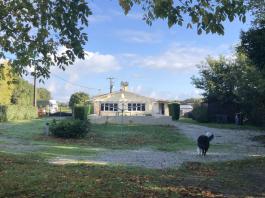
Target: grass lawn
219 125
30 176
136 136
101 136
25 172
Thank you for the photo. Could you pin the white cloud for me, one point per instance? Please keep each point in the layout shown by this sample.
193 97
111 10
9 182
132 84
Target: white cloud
94 62
137 89
178 57
73 79
166 95
138 36
135 15
99 18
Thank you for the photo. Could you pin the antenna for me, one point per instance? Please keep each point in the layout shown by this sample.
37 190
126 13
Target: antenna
110 83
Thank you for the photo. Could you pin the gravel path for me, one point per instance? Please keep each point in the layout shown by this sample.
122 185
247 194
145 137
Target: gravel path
238 142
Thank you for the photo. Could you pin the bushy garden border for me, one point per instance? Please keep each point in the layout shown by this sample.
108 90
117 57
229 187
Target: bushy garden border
17 112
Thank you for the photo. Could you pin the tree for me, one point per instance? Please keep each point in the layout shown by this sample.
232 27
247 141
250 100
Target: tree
252 44
231 86
206 15
78 98
43 94
22 93
34 32
6 86
253 40
41 34
218 79
257 8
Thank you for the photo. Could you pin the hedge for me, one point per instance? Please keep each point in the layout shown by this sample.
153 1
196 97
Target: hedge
81 112
69 128
200 113
17 112
174 110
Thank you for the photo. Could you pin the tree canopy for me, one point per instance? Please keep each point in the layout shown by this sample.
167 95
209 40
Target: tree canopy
253 40
218 79
32 33
16 90
6 86
43 94
206 15
78 98
23 92
41 34
253 45
257 8
233 83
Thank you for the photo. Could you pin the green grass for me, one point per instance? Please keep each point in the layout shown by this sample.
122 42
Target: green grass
25 129
219 125
136 136
52 150
30 176
102 136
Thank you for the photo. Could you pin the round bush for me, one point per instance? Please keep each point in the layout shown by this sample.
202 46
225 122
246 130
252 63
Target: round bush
69 128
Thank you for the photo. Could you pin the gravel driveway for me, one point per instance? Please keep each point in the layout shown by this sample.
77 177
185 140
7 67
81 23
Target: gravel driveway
235 144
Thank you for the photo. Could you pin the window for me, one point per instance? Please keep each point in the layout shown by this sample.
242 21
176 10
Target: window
136 107
109 107
143 107
115 107
129 106
106 107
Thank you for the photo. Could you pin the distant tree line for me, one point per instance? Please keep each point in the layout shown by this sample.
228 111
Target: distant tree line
15 90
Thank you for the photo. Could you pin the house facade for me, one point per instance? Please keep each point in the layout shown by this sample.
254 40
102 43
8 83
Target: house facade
127 103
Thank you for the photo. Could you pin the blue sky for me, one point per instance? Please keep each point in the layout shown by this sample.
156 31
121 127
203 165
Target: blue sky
155 60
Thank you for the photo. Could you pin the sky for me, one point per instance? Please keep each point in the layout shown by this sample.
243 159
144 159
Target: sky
156 61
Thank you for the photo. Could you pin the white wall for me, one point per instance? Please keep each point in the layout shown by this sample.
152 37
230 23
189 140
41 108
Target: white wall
144 120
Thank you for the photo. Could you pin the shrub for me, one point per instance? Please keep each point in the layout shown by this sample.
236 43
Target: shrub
200 113
69 128
174 110
17 112
81 112
188 115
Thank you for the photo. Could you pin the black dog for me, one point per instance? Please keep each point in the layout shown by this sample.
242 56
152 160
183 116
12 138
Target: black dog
203 143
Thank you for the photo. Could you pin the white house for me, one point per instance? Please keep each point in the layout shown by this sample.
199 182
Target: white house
127 103
185 109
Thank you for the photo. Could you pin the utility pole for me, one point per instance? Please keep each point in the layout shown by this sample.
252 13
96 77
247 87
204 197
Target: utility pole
110 84
34 91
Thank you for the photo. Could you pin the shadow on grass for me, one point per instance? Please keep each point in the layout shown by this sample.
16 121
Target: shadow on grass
30 176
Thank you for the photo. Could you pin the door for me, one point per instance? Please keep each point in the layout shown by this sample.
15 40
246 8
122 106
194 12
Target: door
162 108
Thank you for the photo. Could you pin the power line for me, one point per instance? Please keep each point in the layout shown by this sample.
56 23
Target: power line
74 84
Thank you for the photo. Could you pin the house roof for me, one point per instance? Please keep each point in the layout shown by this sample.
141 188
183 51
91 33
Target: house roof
186 107
122 96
